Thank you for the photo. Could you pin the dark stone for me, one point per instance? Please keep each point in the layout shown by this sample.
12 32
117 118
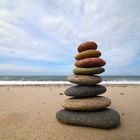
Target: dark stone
106 118
85 91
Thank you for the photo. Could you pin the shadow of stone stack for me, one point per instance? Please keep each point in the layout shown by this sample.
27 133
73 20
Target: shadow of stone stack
86 107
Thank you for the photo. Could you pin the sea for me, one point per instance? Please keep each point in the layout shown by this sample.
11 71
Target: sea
43 80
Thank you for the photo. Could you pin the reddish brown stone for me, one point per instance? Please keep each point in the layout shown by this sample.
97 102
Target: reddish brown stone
87 46
90 62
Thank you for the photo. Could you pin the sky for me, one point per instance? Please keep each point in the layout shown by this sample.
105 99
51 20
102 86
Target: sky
40 37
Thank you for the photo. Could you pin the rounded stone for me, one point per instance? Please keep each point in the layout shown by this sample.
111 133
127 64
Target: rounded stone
94 103
87 46
88 54
90 62
84 79
88 71
79 91
104 119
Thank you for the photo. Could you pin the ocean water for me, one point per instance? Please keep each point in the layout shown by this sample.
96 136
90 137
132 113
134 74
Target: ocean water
37 80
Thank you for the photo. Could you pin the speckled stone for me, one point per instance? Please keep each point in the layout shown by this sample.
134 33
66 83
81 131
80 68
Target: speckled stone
87 46
88 71
79 91
106 118
90 62
88 54
84 79
94 103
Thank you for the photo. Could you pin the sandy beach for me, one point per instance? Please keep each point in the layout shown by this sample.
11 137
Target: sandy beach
28 113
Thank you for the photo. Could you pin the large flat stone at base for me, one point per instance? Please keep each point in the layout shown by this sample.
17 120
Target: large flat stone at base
106 118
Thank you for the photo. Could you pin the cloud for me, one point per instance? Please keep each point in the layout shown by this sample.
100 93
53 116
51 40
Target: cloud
4 13
59 25
17 42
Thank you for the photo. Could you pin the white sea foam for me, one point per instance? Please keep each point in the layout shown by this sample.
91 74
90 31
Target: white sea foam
121 82
33 82
60 82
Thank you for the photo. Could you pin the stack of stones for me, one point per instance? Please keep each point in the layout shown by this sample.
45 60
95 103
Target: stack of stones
86 107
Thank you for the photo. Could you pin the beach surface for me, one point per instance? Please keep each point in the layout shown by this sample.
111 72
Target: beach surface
29 113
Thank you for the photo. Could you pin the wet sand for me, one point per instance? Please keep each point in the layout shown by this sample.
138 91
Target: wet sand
28 113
